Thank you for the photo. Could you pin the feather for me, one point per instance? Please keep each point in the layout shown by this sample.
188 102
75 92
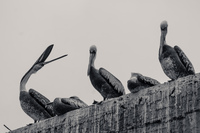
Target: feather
186 62
117 85
148 80
77 103
42 100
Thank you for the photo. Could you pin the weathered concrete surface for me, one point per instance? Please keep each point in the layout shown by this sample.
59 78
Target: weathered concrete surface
167 108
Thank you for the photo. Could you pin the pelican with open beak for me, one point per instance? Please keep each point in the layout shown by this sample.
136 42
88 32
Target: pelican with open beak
32 102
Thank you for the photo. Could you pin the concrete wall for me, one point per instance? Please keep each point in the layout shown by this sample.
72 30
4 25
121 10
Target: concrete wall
169 107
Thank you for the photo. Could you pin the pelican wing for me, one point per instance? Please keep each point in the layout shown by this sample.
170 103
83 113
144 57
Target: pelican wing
186 62
112 80
77 103
148 80
42 100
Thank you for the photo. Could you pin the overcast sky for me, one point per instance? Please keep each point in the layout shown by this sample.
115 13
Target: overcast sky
126 33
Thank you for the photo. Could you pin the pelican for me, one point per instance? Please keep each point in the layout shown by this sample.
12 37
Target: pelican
64 105
32 102
102 80
174 62
138 82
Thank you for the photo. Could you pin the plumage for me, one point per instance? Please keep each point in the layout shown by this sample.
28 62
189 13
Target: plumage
102 80
42 100
32 108
138 82
174 62
64 105
186 62
32 102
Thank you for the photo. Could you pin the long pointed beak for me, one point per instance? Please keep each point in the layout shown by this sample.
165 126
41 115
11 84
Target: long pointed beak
54 59
91 58
44 55
88 71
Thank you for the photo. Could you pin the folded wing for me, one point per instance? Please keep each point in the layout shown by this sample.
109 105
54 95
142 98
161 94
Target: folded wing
112 80
76 103
42 100
148 80
186 62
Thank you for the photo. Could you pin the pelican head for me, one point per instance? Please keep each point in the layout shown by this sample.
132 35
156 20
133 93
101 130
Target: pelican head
60 106
163 25
38 65
75 97
134 76
93 51
41 60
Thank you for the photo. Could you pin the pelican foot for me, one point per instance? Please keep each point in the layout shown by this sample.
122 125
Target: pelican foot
95 102
99 103
29 124
170 80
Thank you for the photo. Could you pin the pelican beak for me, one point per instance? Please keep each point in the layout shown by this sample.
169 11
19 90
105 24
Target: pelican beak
44 56
88 71
40 62
91 62
54 59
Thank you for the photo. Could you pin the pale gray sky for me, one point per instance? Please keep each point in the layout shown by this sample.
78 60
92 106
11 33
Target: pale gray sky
126 33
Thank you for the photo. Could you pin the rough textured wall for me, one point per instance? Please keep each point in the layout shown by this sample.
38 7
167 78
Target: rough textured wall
169 107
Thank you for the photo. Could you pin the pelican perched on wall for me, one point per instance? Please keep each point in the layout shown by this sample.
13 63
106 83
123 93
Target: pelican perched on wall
138 82
32 102
64 105
102 80
174 62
